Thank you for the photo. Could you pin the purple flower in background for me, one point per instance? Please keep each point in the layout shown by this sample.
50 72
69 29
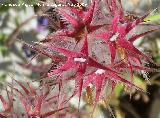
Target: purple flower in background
27 51
42 23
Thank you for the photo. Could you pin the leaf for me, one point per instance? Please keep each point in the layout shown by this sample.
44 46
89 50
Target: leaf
129 46
138 81
112 48
118 90
4 102
157 58
69 18
152 18
2 77
23 87
89 16
135 37
4 8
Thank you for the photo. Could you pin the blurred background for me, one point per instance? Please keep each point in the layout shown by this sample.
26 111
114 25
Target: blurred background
19 23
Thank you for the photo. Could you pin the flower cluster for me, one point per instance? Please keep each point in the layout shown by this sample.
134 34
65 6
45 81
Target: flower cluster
97 52
35 102
92 47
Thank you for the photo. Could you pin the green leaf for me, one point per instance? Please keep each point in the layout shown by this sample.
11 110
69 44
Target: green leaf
140 82
4 8
157 58
2 37
4 51
118 90
153 18
137 81
2 78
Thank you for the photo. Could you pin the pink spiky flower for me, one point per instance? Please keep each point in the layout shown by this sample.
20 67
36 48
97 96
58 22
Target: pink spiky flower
81 61
79 20
116 39
120 26
33 101
7 106
114 36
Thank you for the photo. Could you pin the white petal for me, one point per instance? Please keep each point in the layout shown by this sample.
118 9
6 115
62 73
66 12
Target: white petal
100 71
80 59
114 37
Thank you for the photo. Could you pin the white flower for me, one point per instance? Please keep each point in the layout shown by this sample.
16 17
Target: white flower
80 59
114 37
100 71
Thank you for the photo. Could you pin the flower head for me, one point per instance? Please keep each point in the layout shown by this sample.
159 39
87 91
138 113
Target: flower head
89 70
